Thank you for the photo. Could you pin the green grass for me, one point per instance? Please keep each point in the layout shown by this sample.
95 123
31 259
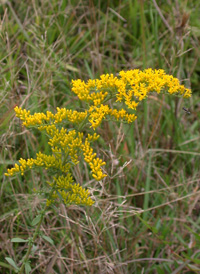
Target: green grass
43 47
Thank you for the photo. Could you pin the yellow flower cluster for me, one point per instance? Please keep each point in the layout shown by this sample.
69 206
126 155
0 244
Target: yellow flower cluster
142 82
123 114
97 114
130 87
71 193
41 119
68 143
42 160
94 163
66 148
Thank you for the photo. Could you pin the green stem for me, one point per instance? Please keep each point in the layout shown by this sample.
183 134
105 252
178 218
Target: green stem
147 188
142 29
25 259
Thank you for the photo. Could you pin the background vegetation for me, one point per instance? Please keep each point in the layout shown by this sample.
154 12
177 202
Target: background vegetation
152 164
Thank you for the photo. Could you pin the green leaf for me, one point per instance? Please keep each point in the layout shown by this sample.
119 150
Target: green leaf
36 220
34 248
71 68
49 240
6 266
11 262
18 240
27 268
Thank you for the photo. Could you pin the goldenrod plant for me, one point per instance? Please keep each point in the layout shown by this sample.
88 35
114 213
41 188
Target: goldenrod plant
72 132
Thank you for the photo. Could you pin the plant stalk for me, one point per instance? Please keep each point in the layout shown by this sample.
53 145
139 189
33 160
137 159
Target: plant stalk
34 236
